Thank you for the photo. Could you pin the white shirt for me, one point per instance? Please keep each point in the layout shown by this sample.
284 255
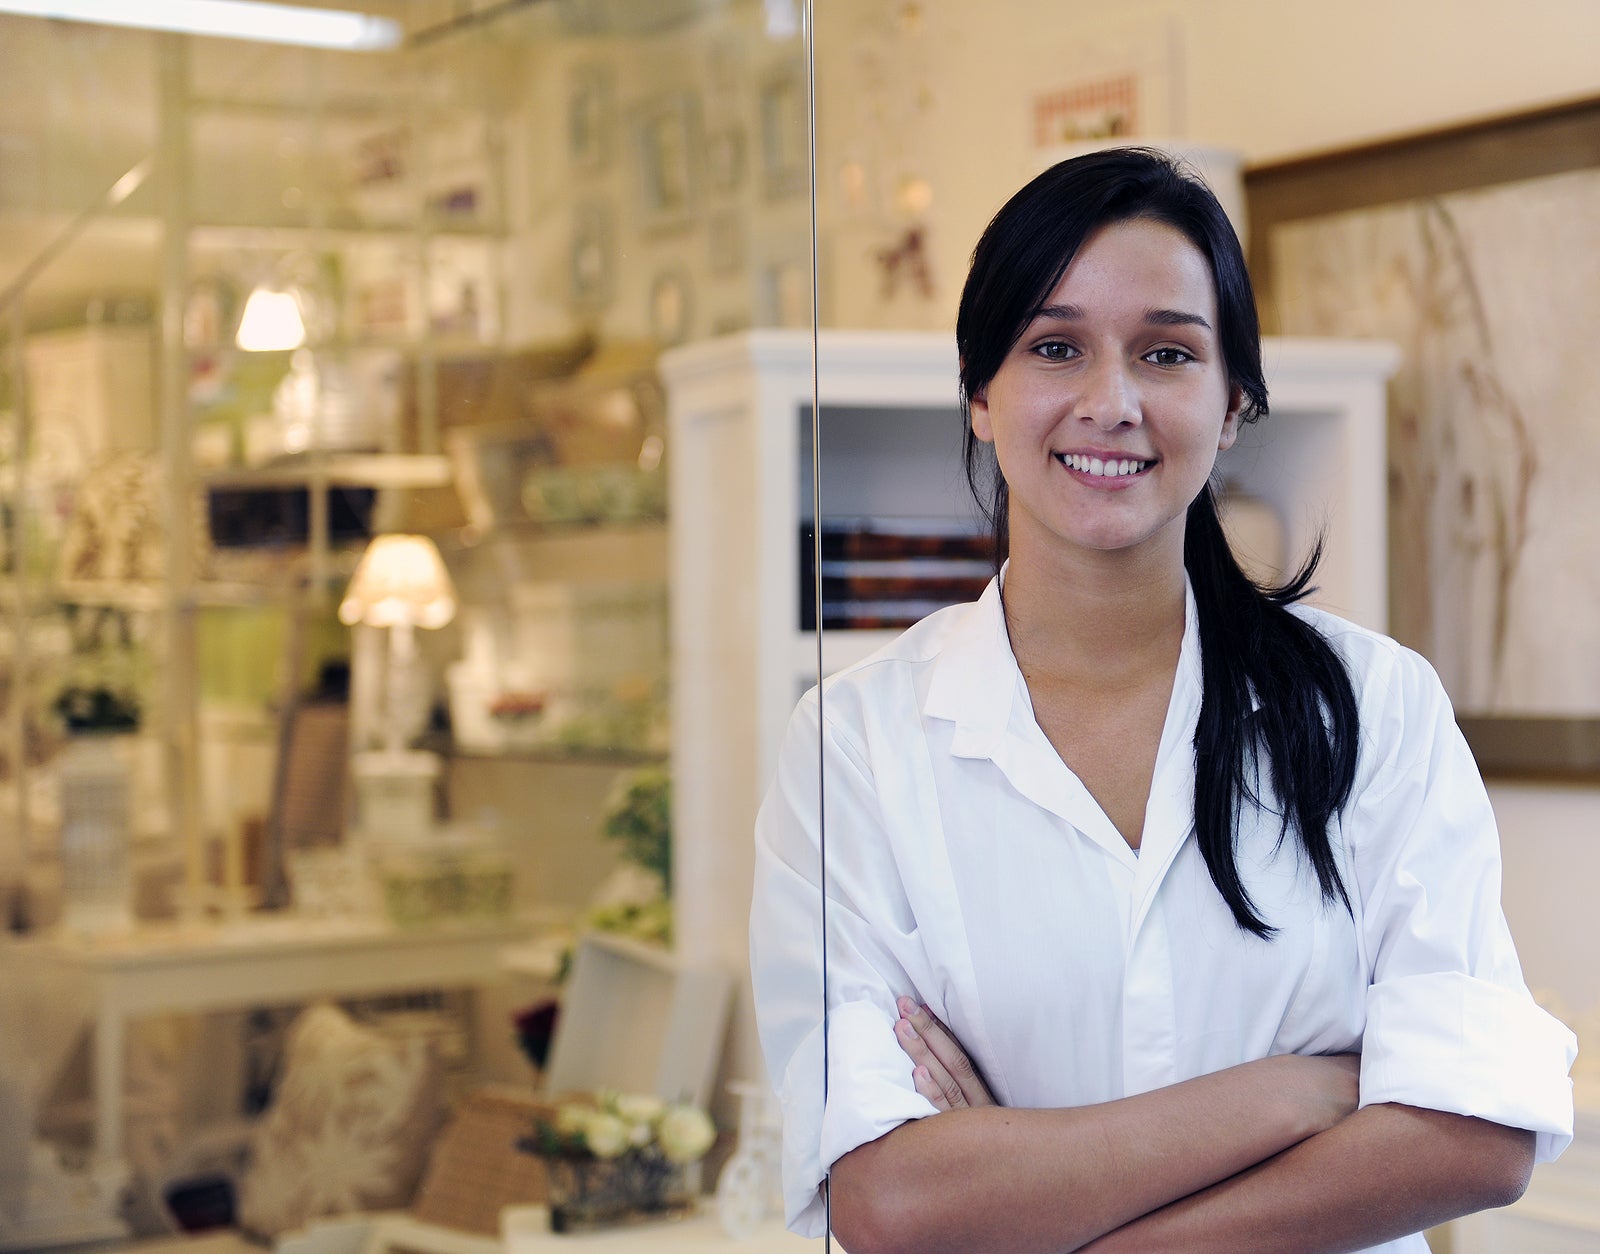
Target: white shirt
970 869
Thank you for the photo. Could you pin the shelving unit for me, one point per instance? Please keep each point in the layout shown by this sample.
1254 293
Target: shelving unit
199 225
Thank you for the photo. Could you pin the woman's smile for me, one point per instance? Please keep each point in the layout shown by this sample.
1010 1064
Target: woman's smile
1110 471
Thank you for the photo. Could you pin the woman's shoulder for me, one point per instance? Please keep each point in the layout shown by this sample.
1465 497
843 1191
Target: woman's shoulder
1369 655
1398 693
895 667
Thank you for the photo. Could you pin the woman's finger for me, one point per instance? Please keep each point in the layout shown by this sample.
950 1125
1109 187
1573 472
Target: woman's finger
954 1061
929 1075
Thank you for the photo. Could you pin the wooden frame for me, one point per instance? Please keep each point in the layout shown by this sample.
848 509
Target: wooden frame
1421 168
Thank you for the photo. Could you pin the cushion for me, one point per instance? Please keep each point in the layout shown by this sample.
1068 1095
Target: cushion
348 1129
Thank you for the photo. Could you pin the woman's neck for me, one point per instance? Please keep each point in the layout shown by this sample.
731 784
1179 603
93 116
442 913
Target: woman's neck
1083 617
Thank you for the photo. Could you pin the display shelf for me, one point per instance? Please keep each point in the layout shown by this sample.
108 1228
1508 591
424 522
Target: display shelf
556 756
354 470
439 345
343 228
149 597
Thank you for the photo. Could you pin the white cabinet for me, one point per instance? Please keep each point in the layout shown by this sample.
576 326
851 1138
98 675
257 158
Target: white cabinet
739 420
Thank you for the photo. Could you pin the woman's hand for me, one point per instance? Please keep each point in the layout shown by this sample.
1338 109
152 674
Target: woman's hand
1326 1087
941 1069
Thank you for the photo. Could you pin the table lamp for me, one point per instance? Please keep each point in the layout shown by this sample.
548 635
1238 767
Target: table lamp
400 584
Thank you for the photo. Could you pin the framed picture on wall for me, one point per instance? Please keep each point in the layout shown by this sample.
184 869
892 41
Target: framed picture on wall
671 306
591 262
590 117
664 140
1460 246
724 160
785 164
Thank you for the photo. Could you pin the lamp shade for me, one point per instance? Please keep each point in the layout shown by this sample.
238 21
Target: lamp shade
400 582
271 322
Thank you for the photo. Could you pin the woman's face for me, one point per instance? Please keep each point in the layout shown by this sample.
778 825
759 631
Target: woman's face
1108 413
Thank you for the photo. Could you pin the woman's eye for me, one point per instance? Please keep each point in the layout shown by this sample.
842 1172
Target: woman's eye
1054 350
1168 356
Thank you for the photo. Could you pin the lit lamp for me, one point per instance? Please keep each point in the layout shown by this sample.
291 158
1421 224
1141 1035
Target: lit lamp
271 321
401 584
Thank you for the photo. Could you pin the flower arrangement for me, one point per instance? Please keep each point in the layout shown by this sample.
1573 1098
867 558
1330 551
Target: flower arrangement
619 1158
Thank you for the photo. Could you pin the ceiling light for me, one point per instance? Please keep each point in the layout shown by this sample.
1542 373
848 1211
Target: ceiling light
227 19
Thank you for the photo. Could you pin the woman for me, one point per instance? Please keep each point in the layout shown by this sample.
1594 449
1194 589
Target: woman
1202 880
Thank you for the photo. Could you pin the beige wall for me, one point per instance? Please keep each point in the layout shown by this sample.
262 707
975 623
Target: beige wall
947 97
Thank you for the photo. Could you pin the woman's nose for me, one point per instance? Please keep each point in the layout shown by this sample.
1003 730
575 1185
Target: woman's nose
1110 397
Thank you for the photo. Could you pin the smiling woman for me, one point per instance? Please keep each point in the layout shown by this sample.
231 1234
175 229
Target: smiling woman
1162 907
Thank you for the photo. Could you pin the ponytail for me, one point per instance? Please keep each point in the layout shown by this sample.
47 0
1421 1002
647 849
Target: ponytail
1270 684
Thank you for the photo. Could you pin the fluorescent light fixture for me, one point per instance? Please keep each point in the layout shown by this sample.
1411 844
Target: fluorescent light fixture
226 19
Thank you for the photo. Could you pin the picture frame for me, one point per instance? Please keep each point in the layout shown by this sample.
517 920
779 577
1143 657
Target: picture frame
591 118
665 145
671 306
591 258
785 150
724 160
1414 239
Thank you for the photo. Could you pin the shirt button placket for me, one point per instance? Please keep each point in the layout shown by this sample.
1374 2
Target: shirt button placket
1149 1027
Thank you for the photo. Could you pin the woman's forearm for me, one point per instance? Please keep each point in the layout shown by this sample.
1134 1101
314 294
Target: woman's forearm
1386 1171
1045 1181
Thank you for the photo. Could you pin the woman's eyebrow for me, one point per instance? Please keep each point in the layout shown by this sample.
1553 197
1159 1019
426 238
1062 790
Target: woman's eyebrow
1154 317
1174 318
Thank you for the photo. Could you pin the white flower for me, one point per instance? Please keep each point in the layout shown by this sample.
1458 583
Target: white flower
686 1132
629 885
573 1120
640 1135
638 1107
605 1135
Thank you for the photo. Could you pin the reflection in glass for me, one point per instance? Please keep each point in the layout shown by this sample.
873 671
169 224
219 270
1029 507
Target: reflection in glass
501 225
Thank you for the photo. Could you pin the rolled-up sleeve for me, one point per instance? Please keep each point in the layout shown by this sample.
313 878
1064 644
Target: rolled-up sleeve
1450 1024
870 935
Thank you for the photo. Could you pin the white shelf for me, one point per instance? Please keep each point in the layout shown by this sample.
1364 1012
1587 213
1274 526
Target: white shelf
369 470
288 236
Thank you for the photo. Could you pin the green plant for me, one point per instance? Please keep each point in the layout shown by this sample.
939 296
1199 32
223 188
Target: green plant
638 815
101 688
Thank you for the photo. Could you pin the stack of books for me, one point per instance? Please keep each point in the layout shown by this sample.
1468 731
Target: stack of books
890 572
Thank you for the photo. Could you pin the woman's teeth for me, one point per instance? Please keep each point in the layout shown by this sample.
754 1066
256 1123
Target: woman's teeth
1104 469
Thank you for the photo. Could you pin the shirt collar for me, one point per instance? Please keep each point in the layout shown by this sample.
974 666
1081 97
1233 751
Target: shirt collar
976 678
976 682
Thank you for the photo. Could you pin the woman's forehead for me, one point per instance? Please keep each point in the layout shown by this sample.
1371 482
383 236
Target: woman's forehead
1138 262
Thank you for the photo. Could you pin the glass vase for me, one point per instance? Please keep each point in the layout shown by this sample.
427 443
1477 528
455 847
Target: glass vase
96 864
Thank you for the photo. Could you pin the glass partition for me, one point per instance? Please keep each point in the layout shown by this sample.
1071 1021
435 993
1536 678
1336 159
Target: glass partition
266 307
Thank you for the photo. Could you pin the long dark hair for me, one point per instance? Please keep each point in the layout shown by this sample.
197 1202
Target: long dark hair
1271 684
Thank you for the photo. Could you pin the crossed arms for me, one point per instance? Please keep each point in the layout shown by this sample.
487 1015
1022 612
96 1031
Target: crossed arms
1271 1155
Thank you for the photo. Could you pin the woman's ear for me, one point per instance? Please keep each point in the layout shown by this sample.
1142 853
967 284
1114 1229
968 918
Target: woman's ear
978 416
1230 420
